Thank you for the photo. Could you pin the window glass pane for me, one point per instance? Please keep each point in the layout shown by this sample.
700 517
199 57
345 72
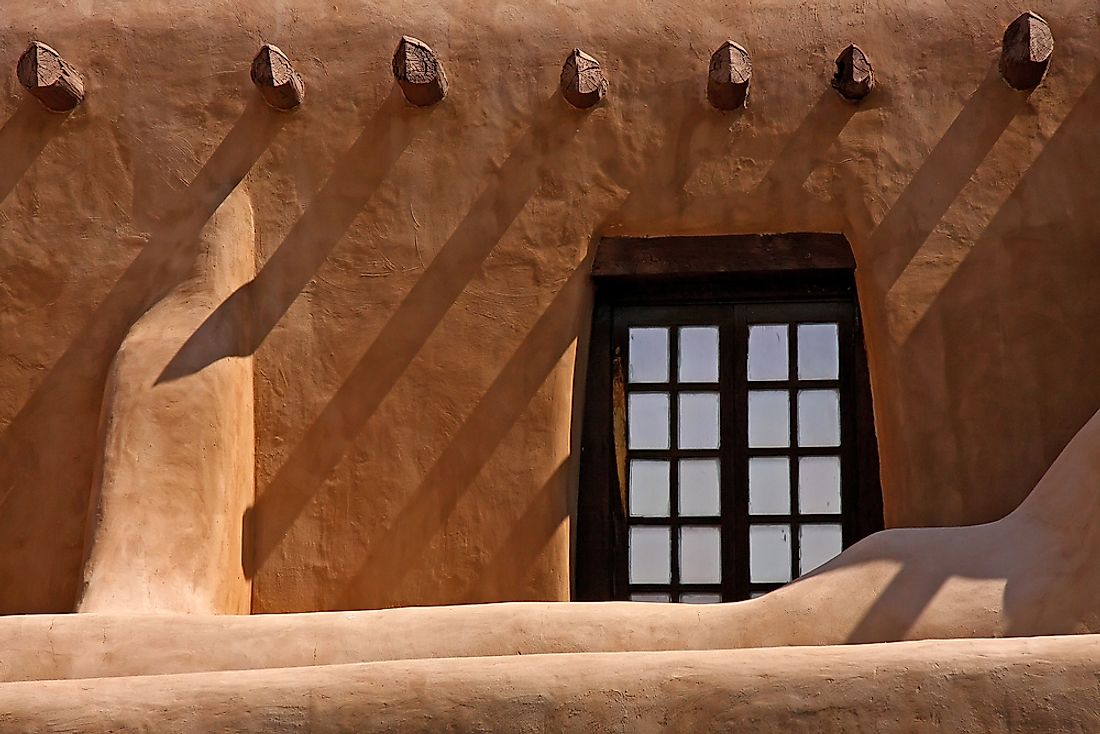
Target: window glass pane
817 544
769 419
818 484
769 553
700 555
818 352
768 352
818 417
699 487
647 420
698 420
649 488
650 555
648 355
700 598
650 596
769 485
699 354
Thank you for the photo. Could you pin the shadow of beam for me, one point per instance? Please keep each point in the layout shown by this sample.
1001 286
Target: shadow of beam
23 137
670 164
1016 318
392 554
991 301
942 176
897 607
512 563
241 323
658 193
47 452
410 326
807 145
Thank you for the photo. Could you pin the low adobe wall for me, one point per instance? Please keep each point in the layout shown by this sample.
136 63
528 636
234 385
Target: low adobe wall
963 686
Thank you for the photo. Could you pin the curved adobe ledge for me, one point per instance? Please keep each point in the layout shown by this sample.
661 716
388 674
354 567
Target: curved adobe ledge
1038 685
175 472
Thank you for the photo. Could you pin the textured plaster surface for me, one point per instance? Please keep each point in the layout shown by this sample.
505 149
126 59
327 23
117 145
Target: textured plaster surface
1042 685
421 289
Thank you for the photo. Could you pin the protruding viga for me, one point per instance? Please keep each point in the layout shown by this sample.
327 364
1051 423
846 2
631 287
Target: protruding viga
51 79
281 86
854 78
582 81
1025 51
729 75
419 72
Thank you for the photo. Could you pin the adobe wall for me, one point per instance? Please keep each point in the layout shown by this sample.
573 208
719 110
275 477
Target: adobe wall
421 294
1038 686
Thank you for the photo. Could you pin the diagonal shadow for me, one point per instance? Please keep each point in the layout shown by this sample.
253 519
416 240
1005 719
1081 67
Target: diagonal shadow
23 137
1047 199
942 175
512 562
807 146
1018 311
674 162
48 450
670 163
897 607
447 275
241 323
393 553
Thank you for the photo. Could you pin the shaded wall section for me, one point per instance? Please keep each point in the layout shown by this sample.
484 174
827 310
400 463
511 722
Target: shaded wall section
421 293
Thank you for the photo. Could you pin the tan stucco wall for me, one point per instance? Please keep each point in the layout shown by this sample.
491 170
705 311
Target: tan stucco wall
421 283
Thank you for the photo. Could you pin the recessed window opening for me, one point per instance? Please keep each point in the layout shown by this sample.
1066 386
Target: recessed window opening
739 447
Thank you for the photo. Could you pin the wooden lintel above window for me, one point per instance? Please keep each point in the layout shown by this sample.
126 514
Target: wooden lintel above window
618 257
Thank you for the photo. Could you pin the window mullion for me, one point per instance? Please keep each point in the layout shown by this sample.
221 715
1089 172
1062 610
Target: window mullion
674 464
735 459
792 406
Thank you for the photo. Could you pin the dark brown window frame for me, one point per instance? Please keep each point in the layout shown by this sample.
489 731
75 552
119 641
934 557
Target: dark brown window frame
686 272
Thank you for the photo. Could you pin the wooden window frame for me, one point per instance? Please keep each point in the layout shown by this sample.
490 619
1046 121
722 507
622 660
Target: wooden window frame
680 275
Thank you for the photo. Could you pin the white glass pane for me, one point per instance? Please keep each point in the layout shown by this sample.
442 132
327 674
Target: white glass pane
769 553
757 594
768 352
700 598
649 488
650 596
650 555
818 484
818 352
818 418
769 485
769 419
699 487
700 555
647 420
698 420
699 354
817 544
648 355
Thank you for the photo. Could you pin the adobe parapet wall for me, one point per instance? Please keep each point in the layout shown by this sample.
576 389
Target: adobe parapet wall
421 291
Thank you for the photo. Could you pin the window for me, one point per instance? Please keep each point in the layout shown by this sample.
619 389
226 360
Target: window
728 446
